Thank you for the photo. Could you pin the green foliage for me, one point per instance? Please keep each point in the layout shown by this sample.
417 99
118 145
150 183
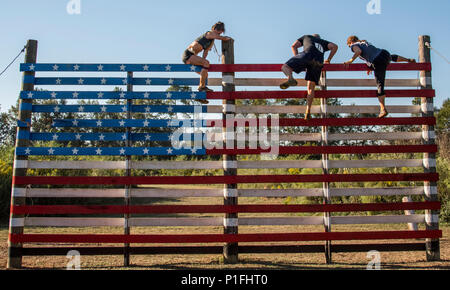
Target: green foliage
443 118
6 165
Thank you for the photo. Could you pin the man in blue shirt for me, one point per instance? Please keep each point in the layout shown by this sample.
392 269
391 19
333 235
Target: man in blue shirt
310 60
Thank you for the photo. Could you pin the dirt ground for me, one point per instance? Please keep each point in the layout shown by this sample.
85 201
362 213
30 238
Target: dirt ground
389 261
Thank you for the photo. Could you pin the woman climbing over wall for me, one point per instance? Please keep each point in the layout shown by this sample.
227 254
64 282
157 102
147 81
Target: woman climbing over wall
378 60
204 43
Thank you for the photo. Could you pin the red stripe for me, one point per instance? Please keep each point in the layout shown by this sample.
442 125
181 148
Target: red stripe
319 94
220 238
148 180
302 150
331 122
165 209
327 67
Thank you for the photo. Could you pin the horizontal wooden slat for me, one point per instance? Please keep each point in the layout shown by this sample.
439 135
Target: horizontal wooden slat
269 82
317 110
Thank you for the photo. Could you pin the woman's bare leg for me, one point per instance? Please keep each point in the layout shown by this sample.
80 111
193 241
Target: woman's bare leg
383 111
404 59
196 60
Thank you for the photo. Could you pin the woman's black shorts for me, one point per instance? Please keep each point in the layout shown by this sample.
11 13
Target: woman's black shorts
306 62
186 56
380 65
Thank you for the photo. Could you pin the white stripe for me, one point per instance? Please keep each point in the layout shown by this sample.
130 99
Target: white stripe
430 190
175 222
427 108
17 222
228 109
174 193
326 221
428 135
374 163
376 136
429 163
317 192
310 220
425 81
229 192
20 163
75 192
431 219
19 192
376 191
230 164
354 220
229 223
228 80
74 222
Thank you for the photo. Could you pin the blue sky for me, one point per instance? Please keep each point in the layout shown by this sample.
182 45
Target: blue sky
147 31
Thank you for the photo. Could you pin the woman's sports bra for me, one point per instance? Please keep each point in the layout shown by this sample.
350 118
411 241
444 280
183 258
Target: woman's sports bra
204 42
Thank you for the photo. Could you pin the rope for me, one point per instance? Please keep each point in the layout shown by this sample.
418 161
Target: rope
427 44
22 51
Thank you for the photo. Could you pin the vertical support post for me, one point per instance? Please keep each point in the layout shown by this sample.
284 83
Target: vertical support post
15 249
326 185
432 216
129 102
230 250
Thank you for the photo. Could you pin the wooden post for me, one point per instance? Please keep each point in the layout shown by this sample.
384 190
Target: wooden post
230 250
129 102
326 185
432 216
15 250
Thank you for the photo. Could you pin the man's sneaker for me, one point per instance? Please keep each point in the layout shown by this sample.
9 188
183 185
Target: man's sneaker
289 83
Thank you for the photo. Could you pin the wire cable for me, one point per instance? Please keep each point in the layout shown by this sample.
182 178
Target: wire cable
427 44
22 51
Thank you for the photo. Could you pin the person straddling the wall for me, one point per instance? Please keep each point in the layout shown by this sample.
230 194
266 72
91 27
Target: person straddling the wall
377 60
204 43
310 60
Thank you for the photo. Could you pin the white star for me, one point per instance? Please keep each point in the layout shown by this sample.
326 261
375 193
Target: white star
58 81
75 122
125 81
122 95
78 136
148 81
147 137
147 109
193 95
168 67
99 123
75 151
80 81
122 151
80 109
56 109
101 137
146 123
122 67
30 95
32 67
146 67
75 95
169 123
100 67
51 151
193 68
124 108
171 81
170 109
55 67
169 151
76 67
103 108
146 151
122 123
194 151
27 151
169 95
55 137
98 151
100 95
103 81
53 94
124 137
146 95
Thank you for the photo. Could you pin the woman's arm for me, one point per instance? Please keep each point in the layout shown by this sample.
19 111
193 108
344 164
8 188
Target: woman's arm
215 35
206 51
357 52
297 44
